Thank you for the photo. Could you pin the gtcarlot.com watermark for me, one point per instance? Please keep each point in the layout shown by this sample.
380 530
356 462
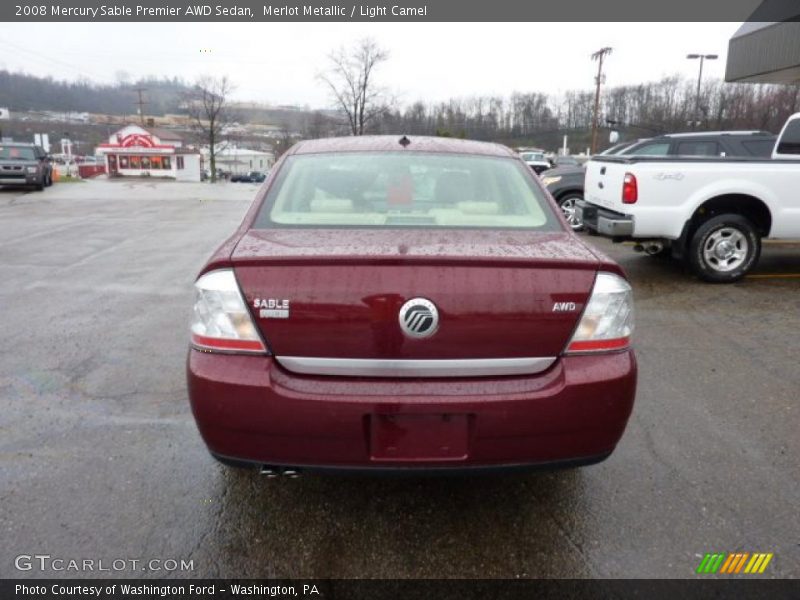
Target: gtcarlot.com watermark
59 564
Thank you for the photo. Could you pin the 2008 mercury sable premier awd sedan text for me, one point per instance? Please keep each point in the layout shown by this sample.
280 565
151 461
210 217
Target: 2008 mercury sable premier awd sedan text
409 303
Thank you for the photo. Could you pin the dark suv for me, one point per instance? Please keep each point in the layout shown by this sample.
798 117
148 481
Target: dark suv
566 183
25 164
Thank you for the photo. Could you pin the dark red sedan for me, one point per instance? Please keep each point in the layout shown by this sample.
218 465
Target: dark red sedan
409 303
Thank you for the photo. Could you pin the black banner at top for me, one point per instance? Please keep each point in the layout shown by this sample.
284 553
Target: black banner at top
400 10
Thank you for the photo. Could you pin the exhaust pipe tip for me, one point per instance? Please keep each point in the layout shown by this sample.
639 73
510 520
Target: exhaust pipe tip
654 248
649 247
274 473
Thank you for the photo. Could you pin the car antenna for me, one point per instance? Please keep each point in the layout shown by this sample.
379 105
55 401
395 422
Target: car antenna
404 141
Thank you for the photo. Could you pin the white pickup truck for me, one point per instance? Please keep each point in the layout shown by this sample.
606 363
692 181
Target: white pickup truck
711 212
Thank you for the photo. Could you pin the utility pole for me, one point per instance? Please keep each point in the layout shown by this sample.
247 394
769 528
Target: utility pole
702 57
598 56
141 103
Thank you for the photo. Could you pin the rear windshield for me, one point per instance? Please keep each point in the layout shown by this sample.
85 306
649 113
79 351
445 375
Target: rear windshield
16 153
759 147
619 148
396 189
790 138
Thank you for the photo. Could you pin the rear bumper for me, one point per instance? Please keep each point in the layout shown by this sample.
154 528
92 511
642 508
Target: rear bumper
249 409
414 470
604 221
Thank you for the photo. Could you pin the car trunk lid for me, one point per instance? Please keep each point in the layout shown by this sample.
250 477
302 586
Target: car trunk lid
338 293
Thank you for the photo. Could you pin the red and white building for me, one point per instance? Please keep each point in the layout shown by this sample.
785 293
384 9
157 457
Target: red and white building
136 151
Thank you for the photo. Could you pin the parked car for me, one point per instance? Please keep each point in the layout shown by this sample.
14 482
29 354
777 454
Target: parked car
711 211
408 304
564 161
25 165
221 174
536 161
250 177
566 186
705 143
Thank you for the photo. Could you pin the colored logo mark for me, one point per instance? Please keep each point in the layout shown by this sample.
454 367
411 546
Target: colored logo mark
737 562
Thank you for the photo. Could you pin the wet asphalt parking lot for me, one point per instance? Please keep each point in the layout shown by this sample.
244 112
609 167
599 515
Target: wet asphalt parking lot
100 458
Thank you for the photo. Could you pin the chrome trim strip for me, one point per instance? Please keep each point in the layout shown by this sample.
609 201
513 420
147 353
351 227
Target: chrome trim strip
368 367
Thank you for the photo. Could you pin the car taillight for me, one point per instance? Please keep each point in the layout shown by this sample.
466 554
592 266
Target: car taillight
607 320
220 321
630 189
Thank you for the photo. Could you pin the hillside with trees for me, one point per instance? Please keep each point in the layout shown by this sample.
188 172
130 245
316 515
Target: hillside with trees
22 92
636 111
520 118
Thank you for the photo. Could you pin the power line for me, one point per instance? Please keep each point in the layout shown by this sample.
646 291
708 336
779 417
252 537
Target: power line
53 61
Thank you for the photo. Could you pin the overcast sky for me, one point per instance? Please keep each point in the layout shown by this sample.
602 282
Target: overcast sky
277 63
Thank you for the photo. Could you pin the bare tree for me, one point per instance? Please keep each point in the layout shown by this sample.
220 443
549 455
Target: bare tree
208 108
283 141
351 84
318 125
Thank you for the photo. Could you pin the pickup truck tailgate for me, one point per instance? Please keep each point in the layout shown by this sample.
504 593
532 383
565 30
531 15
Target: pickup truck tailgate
603 184
602 209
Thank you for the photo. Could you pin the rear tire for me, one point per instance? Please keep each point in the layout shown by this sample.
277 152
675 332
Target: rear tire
724 249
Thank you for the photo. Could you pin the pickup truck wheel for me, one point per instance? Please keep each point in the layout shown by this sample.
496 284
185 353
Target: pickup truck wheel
724 249
567 204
